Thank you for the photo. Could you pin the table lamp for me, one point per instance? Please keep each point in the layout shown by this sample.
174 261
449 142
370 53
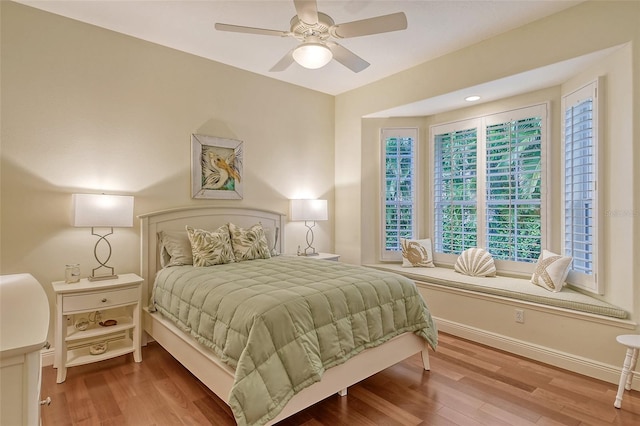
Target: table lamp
102 211
310 211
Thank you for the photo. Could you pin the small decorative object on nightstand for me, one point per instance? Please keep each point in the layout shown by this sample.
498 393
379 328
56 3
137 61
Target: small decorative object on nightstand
327 256
97 334
320 256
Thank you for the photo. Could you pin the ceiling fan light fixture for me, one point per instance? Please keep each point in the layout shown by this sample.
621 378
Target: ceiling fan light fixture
312 55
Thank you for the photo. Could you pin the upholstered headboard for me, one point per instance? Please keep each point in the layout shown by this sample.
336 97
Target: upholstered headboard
203 217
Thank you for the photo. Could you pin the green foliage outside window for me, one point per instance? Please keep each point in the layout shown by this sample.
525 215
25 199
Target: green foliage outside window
513 189
399 191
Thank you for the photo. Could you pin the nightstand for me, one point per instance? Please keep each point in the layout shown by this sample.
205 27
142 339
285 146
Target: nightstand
320 256
80 339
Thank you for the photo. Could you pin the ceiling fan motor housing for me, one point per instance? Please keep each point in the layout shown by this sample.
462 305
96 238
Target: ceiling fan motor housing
320 29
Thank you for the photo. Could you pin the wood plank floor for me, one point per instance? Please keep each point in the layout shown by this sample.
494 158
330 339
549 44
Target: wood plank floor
469 384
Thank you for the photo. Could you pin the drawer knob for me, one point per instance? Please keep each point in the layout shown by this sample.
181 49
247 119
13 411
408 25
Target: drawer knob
104 299
46 401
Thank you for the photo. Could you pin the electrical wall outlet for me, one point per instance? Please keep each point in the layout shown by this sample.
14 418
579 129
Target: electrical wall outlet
519 316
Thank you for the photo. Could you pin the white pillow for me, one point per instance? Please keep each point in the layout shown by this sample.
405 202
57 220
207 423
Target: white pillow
416 253
175 248
475 262
551 271
272 239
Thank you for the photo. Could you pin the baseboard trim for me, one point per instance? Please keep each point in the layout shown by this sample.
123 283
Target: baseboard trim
577 364
47 356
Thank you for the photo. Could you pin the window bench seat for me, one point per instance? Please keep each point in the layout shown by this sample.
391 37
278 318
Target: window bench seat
568 329
509 287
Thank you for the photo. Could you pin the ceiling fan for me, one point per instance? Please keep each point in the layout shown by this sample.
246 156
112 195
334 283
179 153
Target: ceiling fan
315 30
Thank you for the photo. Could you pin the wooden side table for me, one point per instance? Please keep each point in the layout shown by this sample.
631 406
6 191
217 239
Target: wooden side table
87 303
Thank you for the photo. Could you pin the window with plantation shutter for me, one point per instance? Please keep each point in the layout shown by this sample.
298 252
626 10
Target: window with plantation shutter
580 200
513 189
455 190
488 186
399 189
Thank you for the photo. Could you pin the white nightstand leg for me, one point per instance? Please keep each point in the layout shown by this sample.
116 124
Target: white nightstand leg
137 333
60 354
62 374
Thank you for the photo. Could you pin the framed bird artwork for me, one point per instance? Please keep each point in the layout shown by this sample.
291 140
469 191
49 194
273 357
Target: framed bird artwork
216 167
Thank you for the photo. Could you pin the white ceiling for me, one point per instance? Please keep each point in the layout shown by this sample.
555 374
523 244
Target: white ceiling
434 29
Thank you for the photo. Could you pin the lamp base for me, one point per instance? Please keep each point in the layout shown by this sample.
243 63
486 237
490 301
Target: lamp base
111 272
102 277
308 254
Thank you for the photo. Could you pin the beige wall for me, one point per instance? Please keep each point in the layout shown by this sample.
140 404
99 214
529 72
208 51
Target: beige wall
89 110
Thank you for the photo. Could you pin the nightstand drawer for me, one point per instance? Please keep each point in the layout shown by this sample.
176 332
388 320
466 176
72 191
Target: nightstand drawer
101 300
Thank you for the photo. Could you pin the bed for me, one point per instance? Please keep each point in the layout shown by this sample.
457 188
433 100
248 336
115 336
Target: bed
225 373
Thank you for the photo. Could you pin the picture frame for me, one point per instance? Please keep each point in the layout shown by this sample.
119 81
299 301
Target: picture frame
216 168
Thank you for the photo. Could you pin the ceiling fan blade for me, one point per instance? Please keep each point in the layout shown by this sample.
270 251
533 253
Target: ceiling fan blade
380 24
283 63
307 11
250 30
347 58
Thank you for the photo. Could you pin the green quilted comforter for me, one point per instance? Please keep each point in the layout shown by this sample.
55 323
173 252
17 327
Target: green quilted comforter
282 322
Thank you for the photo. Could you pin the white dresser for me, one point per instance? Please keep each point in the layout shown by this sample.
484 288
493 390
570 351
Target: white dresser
24 324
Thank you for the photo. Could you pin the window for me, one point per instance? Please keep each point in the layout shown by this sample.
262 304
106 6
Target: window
580 196
399 189
455 191
513 189
488 185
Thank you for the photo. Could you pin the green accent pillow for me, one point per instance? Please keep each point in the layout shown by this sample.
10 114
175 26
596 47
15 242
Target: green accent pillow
210 247
249 244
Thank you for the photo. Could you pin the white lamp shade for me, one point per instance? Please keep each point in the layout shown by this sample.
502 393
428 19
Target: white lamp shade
309 210
312 55
100 210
